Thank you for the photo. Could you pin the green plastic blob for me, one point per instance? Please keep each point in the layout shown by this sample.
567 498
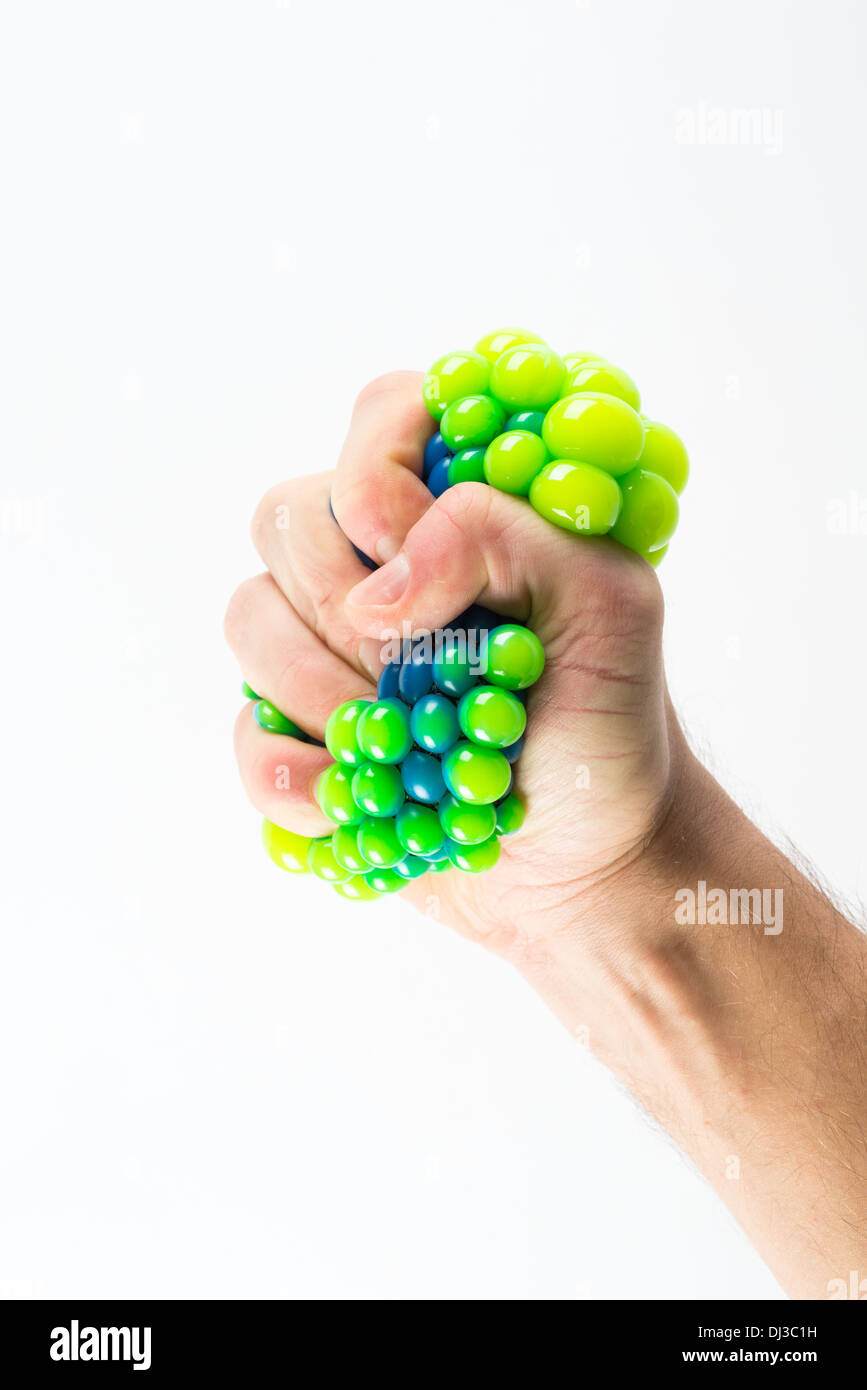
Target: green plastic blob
383 731
492 716
419 829
514 658
270 718
510 815
475 859
341 732
344 842
577 497
379 843
650 511
378 789
334 794
469 825
356 889
493 345
512 461
382 881
286 849
664 453
474 774
528 376
323 863
594 428
472 422
468 466
596 375
452 376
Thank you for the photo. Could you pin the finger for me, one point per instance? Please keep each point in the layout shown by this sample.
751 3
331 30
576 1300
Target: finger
314 564
284 661
279 776
378 493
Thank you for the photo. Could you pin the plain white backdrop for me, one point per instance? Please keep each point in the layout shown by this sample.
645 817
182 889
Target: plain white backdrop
221 219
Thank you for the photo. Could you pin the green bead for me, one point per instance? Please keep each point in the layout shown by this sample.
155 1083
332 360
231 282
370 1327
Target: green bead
419 829
356 889
492 716
377 789
513 459
269 718
472 422
323 864
384 881
655 557
475 859
334 794
494 344
572 360
650 511
411 867
452 376
285 848
467 467
514 657
599 376
531 420
379 843
248 692
344 842
510 815
439 866
475 774
594 428
455 668
664 453
469 825
577 497
383 731
341 732
527 376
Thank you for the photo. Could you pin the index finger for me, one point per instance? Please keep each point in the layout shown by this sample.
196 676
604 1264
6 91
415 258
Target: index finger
378 493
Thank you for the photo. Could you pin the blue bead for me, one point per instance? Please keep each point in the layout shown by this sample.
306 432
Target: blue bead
416 677
365 559
422 777
435 449
438 480
514 751
387 685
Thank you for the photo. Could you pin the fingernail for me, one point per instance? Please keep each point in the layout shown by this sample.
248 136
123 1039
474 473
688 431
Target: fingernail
386 548
385 586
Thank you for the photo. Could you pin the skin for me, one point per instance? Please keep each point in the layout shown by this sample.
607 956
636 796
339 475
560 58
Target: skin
749 1046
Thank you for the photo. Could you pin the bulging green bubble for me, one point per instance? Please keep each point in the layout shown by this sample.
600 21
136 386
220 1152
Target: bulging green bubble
655 557
664 454
411 867
383 881
455 667
419 829
248 692
491 715
513 459
468 825
510 814
577 497
356 890
513 658
650 511
334 794
452 376
531 420
572 360
475 859
273 721
474 774
597 375
472 422
378 789
383 731
323 863
341 732
594 428
527 376
344 842
285 848
468 466
492 345
379 843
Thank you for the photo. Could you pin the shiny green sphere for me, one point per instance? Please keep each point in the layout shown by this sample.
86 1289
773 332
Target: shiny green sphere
577 497
419 829
378 789
379 843
383 731
474 774
356 890
494 344
285 848
513 459
323 863
571 360
664 453
531 420
510 814
650 511
411 867
344 842
472 422
469 825
341 732
596 375
514 658
273 721
655 557
475 859
455 375
528 376
383 881
455 667
439 866
492 716
434 723
468 466
594 428
334 794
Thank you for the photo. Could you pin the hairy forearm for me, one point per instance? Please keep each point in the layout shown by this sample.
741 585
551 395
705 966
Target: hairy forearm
746 1039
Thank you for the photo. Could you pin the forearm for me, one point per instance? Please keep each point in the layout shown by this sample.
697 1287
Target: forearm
745 1039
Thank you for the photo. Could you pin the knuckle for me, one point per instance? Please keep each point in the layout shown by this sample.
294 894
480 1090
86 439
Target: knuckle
385 385
467 505
241 606
272 512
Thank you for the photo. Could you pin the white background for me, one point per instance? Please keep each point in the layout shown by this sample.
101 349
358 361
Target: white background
220 221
